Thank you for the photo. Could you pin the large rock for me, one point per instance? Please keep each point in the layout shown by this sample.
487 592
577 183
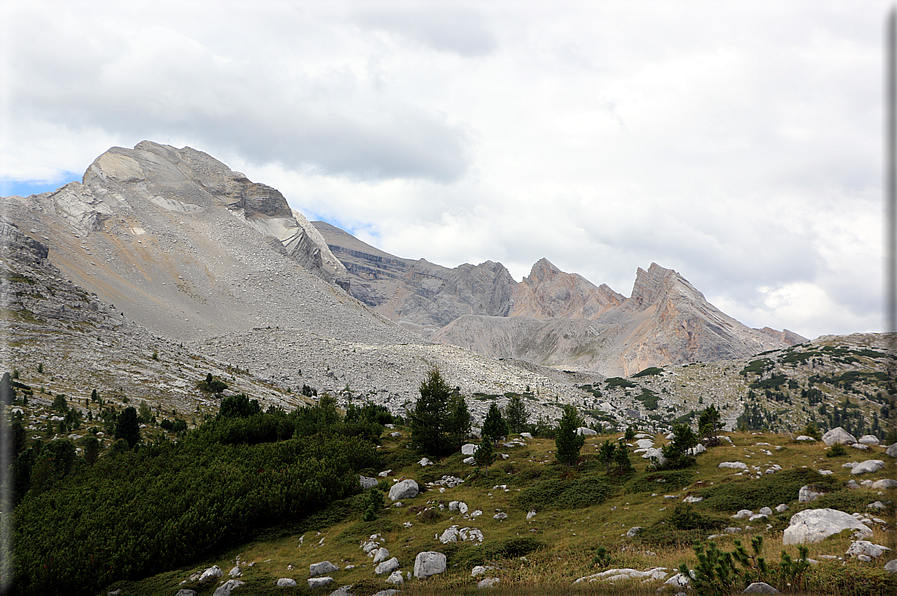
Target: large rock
838 435
367 482
406 489
387 566
468 449
286 582
869 440
735 465
760 588
321 568
213 572
227 587
884 483
807 494
319 582
428 563
864 547
891 451
380 555
815 525
868 467
585 431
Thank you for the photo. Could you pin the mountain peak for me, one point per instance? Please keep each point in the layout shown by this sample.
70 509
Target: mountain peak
657 282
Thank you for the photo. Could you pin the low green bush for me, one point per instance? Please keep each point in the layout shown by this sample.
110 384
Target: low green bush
767 491
557 493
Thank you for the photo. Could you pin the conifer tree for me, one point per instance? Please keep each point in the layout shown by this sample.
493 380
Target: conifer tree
494 426
567 442
515 414
484 455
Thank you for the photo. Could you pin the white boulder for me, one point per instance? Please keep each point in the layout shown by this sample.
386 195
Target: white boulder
468 449
406 489
387 566
227 587
864 547
868 467
735 465
321 568
815 525
428 563
488 582
286 582
395 578
319 582
891 451
884 483
868 440
585 431
838 435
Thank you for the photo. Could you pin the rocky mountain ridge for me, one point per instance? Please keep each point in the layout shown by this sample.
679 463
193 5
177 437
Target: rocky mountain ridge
550 318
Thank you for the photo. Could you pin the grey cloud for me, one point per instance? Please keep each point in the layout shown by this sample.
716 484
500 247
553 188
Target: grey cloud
445 28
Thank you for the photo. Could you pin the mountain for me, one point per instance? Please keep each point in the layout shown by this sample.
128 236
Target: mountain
550 318
174 242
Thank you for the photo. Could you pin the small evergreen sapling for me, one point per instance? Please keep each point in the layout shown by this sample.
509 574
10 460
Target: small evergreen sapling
484 455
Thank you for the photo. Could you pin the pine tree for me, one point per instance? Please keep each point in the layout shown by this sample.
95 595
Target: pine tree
431 419
567 442
494 426
515 414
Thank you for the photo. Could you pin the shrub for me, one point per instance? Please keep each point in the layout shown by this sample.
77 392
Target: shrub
565 494
766 491
836 450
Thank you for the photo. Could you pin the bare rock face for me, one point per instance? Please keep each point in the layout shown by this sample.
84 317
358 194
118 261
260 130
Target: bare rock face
550 293
665 321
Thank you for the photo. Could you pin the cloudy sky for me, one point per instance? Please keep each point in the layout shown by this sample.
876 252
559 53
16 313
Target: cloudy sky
739 143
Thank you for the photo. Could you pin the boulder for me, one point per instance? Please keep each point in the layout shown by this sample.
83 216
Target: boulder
480 570
735 465
644 443
286 582
425 462
696 450
406 489
868 467
891 566
450 535
586 432
815 525
387 566
321 568
526 436
743 514
805 438
468 449
227 587
500 516
181 592
380 555
654 454
488 582
838 435
807 494
633 531
781 508
235 572
864 547
319 582
213 572
342 591
470 461
367 482
395 578
692 499
765 511
868 440
760 588
891 451
884 483
428 563
389 592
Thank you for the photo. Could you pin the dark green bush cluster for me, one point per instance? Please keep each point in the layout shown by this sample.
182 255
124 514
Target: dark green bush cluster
141 512
650 482
558 493
767 491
